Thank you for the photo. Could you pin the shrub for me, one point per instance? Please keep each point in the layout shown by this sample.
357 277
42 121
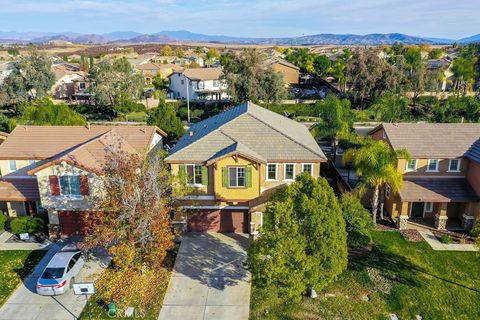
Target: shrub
3 220
446 239
358 221
27 225
475 232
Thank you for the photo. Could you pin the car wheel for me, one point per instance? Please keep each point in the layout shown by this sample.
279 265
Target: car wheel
72 281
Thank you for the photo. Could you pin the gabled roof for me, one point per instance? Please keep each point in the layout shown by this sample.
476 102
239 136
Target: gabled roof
474 152
249 129
45 142
202 73
92 155
432 140
275 60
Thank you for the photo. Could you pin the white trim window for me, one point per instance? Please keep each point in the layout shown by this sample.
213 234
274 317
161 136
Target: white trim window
12 165
432 165
428 207
69 185
454 165
387 191
307 167
411 165
237 177
194 174
289 172
272 172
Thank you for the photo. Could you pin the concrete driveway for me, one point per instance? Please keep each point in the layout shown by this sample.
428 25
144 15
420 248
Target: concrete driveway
25 304
209 281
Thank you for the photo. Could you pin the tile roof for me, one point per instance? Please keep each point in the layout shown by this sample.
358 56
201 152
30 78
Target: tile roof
44 142
432 140
19 189
474 152
274 60
437 190
203 73
251 129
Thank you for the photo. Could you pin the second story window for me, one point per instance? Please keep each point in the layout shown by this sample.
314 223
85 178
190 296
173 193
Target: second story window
307 167
201 85
272 172
12 165
83 85
289 172
432 165
69 185
194 173
454 165
411 165
216 83
237 177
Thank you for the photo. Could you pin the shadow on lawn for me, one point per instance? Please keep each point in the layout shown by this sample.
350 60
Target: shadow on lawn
394 267
30 263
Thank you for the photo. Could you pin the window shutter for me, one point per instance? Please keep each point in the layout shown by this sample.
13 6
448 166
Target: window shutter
249 177
205 175
182 170
84 188
224 177
54 186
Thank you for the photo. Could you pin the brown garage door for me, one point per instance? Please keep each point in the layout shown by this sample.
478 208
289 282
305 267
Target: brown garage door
71 222
224 220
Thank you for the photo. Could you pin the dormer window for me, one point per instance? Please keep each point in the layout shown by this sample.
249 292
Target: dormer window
454 165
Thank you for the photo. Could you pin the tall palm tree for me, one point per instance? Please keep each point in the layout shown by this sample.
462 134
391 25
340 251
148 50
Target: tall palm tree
376 163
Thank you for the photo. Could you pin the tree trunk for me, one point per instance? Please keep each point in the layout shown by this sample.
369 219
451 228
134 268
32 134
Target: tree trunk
374 203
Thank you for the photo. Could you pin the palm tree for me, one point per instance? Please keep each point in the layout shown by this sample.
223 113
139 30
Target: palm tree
376 163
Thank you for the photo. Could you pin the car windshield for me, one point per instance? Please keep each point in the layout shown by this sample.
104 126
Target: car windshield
53 273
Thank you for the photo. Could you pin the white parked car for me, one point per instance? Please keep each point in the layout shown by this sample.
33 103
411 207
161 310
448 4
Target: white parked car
59 275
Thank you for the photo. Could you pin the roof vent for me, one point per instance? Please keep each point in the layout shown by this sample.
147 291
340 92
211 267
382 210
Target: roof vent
191 133
88 125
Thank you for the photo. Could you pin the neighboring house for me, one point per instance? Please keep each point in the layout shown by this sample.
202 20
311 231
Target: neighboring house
58 169
164 59
198 84
290 72
64 87
235 160
150 70
445 66
440 185
81 90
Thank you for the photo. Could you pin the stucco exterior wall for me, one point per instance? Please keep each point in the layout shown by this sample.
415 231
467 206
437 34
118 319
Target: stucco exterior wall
230 193
75 203
290 75
473 176
442 168
22 167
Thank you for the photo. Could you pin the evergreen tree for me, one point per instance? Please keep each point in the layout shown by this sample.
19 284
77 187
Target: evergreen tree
302 244
165 117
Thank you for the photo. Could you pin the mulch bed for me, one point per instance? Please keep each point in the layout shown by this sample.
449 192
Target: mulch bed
386 224
457 237
412 235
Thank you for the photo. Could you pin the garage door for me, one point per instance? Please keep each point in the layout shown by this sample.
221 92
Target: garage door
71 222
218 221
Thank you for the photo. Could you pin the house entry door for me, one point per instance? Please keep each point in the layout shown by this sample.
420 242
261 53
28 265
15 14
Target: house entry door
417 210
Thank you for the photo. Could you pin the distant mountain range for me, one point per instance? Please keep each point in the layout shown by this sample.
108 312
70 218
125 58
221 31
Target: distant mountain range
187 36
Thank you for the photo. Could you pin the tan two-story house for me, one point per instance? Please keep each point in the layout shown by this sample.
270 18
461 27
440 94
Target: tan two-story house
235 160
441 184
58 169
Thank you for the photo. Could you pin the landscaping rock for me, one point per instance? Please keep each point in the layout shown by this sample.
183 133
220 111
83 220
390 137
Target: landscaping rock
313 294
418 317
329 295
365 298
393 316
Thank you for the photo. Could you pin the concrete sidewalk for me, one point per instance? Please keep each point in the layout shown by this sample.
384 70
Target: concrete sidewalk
209 281
437 245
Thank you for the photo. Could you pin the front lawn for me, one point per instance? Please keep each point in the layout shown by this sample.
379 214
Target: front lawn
16 265
396 276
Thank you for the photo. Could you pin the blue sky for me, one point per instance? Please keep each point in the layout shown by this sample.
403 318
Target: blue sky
255 18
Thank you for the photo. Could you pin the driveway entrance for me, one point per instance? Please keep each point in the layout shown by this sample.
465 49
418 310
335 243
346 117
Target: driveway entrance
209 281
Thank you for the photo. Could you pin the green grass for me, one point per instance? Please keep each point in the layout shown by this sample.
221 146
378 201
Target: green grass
16 265
140 116
405 278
